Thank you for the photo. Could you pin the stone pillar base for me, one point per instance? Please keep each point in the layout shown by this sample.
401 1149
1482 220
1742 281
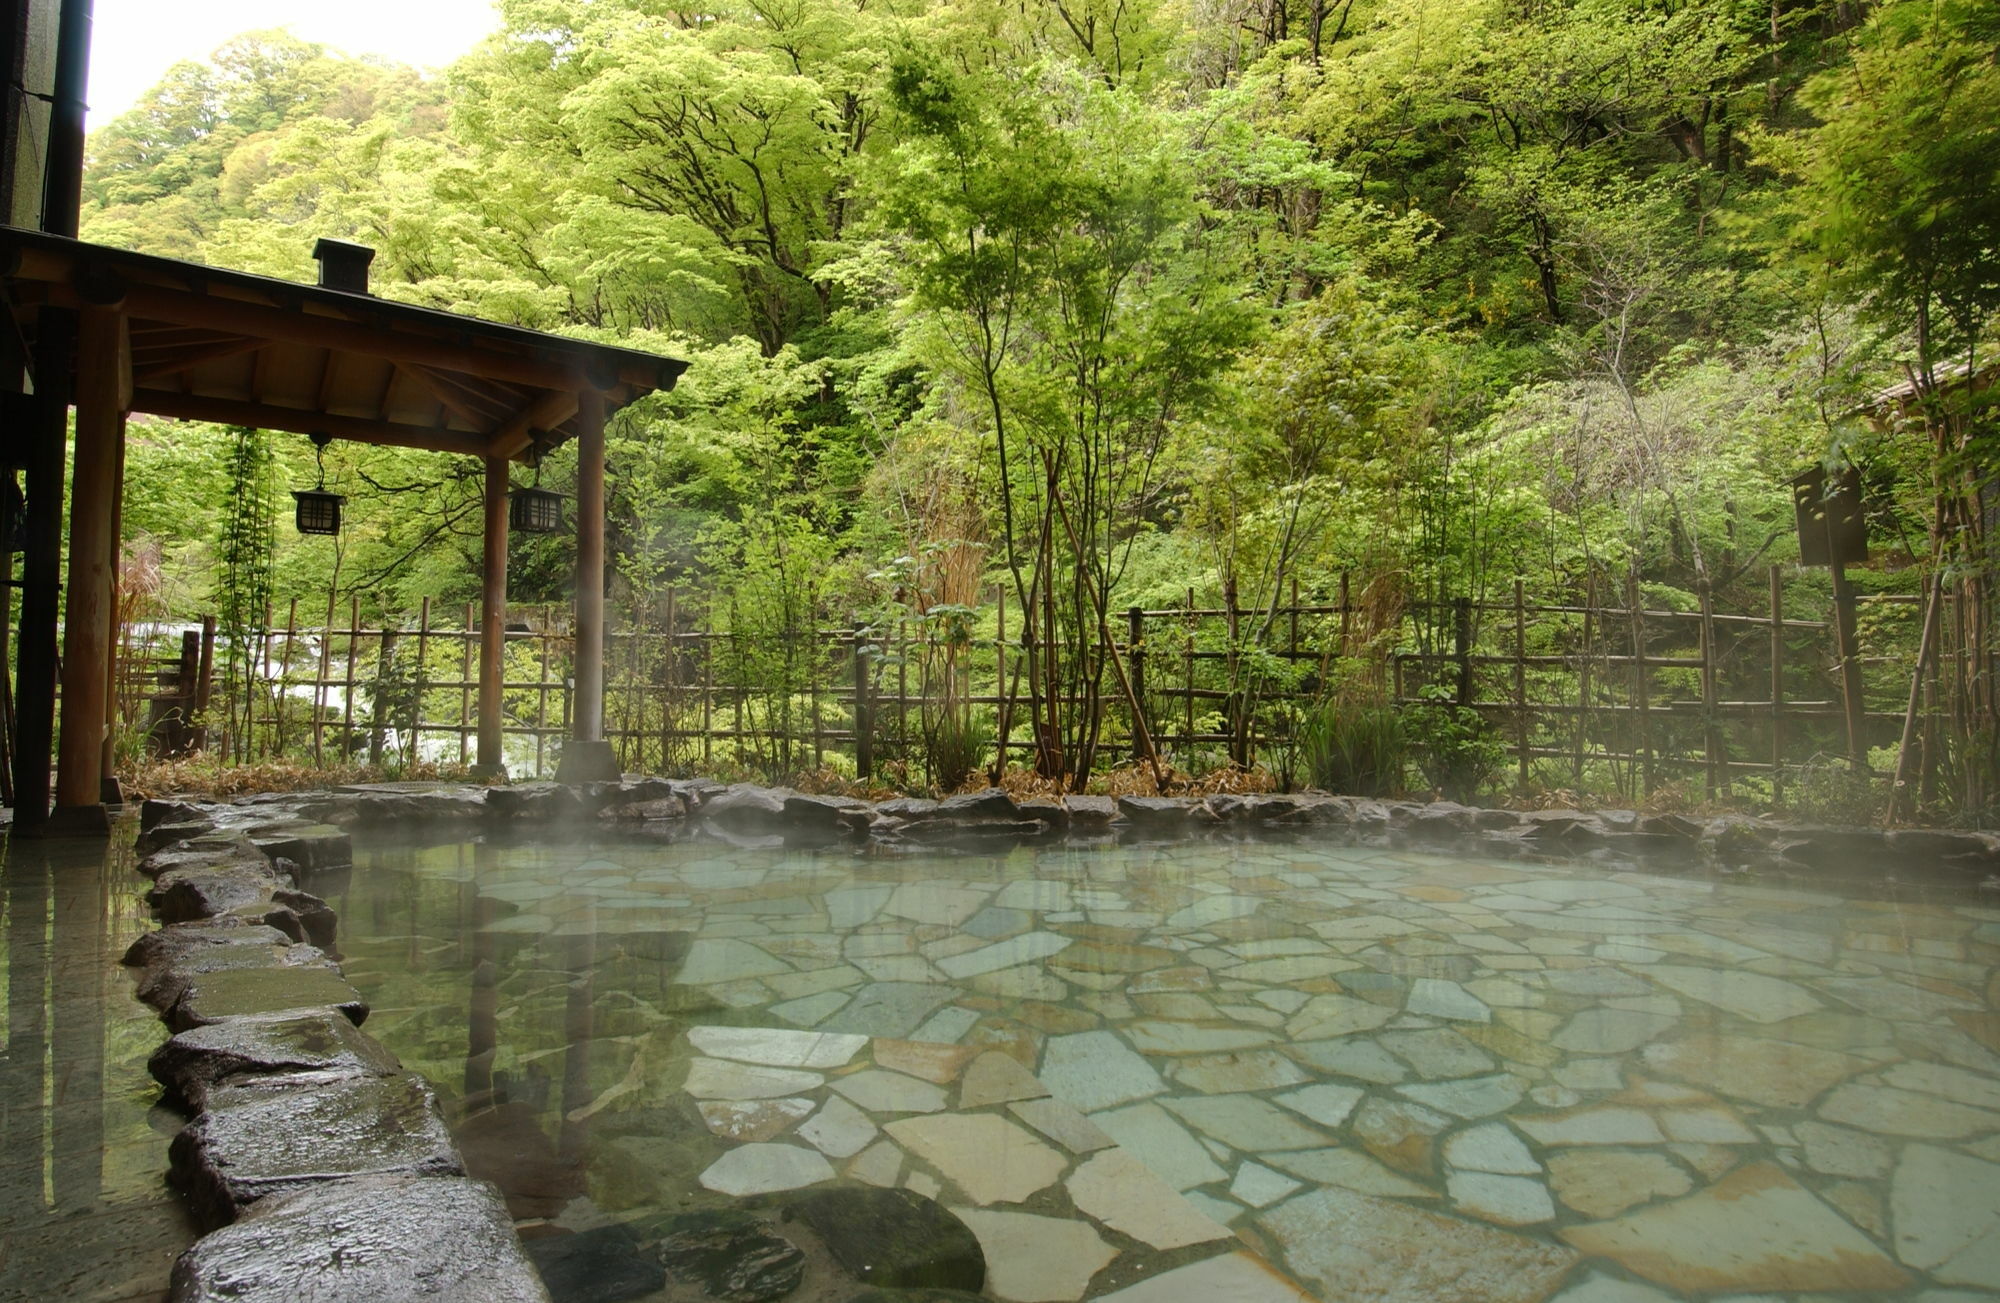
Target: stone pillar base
588 762
74 821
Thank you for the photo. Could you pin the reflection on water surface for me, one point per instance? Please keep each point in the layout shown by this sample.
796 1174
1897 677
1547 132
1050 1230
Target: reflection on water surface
1401 1075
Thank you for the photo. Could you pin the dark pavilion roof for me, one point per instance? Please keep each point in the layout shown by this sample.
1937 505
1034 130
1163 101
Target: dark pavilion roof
226 346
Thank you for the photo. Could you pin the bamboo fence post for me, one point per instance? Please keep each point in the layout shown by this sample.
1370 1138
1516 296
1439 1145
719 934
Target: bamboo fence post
1187 674
204 689
423 678
465 681
285 663
378 724
1238 696
1135 652
260 669
707 645
1714 750
1583 711
1777 586
903 682
864 736
669 683
542 701
1001 688
320 681
347 706
1641 690
1521 683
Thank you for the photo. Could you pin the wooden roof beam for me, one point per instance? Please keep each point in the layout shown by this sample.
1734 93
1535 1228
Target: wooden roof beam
545 413
194 357
263 416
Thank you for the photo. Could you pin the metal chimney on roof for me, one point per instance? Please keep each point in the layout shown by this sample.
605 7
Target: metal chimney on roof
343 266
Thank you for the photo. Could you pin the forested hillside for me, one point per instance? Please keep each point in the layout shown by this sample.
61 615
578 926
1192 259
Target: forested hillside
1099 301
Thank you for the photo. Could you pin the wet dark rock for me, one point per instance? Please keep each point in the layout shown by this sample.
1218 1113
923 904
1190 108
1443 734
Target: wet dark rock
1094 812
539 801
729 1255
316 919
162 985
908 808
922 1296
162 944
325 1045
313 846
1671 825
829 814
1495 820
894 1238
1053 813
602 1265
988 803
1155 813
745 808
179 857
1441 819
385 1240
155 811
263 1137
161 836
184 895
653 811
251 992
392 804
1834 848
1569 826
696 791
1934 844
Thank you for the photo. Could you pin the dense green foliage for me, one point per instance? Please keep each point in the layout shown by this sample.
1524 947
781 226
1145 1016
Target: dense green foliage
1099 301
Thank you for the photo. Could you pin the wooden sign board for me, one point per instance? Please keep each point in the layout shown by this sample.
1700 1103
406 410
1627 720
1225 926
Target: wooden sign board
1829 517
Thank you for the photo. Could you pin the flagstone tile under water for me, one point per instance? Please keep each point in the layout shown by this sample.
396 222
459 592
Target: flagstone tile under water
1403 1075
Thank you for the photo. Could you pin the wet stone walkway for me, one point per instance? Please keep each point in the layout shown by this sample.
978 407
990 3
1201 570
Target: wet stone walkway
1395 1075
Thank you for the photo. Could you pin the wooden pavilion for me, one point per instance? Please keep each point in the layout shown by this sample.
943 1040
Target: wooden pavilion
169 338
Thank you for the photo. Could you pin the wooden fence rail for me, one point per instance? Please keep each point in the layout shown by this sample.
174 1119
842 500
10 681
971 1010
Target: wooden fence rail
1601 697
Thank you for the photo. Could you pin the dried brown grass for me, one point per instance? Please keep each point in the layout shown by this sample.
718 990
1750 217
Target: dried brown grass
211 776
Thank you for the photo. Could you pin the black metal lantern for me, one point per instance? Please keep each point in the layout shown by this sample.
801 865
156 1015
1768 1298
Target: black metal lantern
318 512
535 510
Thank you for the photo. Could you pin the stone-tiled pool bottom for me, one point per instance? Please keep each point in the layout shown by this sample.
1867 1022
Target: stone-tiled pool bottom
1398 1076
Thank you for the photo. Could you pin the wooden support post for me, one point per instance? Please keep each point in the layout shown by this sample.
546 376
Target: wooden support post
103 395
1583 682
493 622
1777 686
587 756
108 789
465 676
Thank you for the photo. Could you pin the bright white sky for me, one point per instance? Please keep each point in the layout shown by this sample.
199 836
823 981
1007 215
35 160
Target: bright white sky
136 41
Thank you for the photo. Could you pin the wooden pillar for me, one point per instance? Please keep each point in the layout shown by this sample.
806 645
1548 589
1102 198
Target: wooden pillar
493 621
103 395
587 757
108 789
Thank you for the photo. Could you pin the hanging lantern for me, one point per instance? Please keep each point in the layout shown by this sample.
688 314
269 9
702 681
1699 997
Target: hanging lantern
535 510
318 512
